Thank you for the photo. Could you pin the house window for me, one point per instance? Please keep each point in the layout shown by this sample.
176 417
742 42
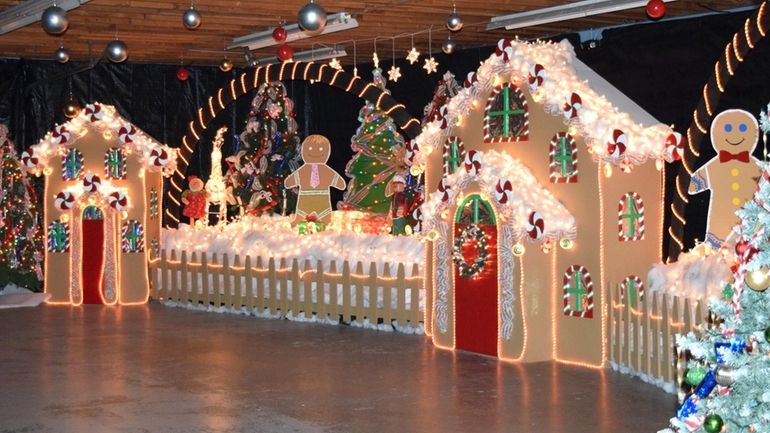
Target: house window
92 213
58 237
563 159
115 163
72 165
634 286
506 117
578 292
630 217
475 210
454 152
153 203
132 234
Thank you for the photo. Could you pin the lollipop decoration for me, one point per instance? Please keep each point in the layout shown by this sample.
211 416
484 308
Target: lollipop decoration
503 191
127 134
411 151
504 50
675 146
91 183
417 216
616 148
158 157
573 106
472 162
535 226
64 200
442 113
94 112
61 134
445 190
117 200
536 77
29 158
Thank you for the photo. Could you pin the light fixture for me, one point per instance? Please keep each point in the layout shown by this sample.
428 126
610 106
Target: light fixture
570 11
30 11
305 56
335 23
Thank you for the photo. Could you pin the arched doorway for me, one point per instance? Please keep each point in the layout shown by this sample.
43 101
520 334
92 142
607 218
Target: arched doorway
475 275
92 256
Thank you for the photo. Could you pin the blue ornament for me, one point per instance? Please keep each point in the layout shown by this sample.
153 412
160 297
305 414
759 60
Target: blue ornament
236 143
689 407
707 385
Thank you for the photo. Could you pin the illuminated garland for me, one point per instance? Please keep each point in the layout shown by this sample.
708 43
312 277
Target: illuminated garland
465 269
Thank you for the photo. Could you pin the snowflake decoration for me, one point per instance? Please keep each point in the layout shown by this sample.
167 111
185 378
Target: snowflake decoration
376 60
413 56
335 64
394 73
430 65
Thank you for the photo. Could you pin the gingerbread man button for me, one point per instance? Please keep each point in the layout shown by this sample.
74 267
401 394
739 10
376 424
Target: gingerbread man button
314 178
731 175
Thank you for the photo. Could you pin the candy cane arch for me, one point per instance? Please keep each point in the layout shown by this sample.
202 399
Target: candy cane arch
237 87
578 282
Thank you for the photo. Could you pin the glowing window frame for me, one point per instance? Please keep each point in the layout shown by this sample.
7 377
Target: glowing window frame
556 159
586 283
121 167
624 214
454 151
506 89
79 160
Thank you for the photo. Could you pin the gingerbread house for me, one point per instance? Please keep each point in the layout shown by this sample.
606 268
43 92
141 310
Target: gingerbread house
544 192
103 186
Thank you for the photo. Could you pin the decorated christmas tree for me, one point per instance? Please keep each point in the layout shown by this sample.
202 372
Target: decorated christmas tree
21 239
265 153
379 156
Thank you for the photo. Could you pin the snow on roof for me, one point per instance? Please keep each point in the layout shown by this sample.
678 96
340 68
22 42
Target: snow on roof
617 130
150 153
512 189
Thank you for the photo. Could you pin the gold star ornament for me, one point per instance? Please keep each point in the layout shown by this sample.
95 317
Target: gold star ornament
335 64
413 56
394 73
431 65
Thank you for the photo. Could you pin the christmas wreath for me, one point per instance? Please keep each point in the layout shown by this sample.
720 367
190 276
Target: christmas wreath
468 270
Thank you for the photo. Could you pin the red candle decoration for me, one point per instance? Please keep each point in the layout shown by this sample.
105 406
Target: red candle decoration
182 74
285 53
656 9
279 34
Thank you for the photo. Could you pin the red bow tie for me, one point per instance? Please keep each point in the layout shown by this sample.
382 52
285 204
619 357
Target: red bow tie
725 156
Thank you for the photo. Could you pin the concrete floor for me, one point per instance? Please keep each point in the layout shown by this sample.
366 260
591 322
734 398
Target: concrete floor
156 369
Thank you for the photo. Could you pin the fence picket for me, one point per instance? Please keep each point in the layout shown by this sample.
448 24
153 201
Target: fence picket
237 272
194 265
372 293
307 300
174 285
272 301
227 297
387 317
249 277
333 280
320 291
185 287
346 301
260 275
401 287
294 277
359 293
416 288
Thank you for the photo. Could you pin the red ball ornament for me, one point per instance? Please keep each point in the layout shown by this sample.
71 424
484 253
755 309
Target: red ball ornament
182 74
285 53
279 34
741 247
656 9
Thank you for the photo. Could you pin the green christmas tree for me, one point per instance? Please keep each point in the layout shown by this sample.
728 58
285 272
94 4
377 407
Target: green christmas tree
379 156
21 239
266 152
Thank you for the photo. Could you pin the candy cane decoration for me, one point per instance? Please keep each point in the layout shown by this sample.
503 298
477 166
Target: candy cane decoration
616 148
504 50
472 162
158 157
630 217
91 183
536 77
675 146
577 282
445 190
61 134
64 200
417 216
29 158
638 288
471 79
94 112
573 106
117 200
127 133
503 191
412 148
535 226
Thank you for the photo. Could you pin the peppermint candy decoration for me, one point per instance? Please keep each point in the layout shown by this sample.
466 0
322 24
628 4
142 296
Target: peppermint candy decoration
471 79
159 157
117 200
94 112
573 106
91 182
675 146
445 190
536 77
61 134
504 50
442 114
411 150
535 226
127 134
64 200
503 191
617 147
417 216
29 158
472 162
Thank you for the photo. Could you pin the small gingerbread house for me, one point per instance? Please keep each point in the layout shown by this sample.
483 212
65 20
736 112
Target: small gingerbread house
543 192
103 186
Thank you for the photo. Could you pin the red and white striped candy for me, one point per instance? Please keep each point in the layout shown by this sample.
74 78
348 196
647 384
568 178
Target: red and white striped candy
127 133
158 157
64 200
417 216
504 50
117 200
29 158
573 106
471 79
675 146
472 162
503 191
445 190
535 226
61 134
442 113
536 76
411 150
91 182
617 146
94 112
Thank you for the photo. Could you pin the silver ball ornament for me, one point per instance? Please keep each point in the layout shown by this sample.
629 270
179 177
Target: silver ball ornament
455 22
449 46
724 375
312 18
117 51
54 20
62 55
191 18
226 65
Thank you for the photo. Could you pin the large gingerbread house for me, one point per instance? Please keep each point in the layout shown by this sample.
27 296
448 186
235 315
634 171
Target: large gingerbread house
543 193
103 186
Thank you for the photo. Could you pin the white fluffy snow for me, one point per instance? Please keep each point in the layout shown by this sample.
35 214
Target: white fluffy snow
694 276
13 296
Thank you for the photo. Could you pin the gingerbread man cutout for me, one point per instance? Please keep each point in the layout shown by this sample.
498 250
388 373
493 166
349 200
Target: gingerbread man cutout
731 175
314 178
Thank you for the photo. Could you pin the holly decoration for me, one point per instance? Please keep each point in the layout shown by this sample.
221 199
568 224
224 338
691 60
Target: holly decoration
470 233
713 423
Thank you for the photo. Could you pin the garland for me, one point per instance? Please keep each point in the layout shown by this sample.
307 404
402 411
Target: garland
465 269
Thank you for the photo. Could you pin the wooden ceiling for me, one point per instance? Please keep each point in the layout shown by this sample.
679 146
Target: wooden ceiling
154 32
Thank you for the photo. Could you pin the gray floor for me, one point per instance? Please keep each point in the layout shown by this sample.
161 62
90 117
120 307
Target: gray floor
156 369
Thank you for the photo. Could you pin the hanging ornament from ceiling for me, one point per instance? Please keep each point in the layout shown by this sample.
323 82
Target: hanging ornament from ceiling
182 74
191 18
116 51
455 22
449 45
312 18
62 55
54 20
413 55
394 73
285 53
431 65
335 64
71 107
375 57
279 34
656 9
226 65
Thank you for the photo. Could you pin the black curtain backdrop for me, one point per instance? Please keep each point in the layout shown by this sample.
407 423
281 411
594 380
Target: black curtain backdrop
662 66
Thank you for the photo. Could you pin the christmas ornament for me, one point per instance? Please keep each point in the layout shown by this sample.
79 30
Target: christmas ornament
536 77
335 64
617 145
285 53
413 56
117 200
431 65
312 18
504 50
279 34
519 249
449 45
394 73
64 200
91 183
503 191
767 334
117 51
713 422
375 60
191 18
472 162
675 146
695 375
656 9
454 23
54 20
62 55
226 65
725 375
758 279
127 133
158 157
535 226
71 108
182 74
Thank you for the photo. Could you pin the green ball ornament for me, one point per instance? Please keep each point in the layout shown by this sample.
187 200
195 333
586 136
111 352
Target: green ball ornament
767 334
695 376
713 423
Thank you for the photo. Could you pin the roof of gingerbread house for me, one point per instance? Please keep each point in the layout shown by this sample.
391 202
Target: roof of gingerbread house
616 129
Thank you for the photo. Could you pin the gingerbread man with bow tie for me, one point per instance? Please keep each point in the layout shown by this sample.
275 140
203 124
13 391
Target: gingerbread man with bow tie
731 175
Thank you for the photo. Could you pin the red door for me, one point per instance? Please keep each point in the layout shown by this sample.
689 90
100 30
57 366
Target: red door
475 293
92 257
